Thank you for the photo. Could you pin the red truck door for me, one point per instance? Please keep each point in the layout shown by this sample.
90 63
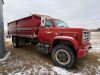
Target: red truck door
46 33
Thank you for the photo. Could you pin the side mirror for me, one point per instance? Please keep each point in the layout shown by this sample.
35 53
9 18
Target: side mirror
43 21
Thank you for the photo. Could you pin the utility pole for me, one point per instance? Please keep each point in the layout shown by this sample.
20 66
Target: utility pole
2 44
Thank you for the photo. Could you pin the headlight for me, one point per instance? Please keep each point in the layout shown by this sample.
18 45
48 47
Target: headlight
86 36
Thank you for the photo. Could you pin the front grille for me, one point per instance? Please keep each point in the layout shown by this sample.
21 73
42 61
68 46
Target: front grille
86 36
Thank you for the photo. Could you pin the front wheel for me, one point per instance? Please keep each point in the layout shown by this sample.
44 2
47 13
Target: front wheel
63 56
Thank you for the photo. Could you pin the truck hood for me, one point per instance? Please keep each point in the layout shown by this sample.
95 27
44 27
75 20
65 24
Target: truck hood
76 33
70 30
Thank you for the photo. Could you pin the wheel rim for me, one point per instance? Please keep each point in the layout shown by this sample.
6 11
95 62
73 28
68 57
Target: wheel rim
62 56
14 44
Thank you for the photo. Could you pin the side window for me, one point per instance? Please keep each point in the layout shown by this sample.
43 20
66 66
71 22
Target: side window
48 23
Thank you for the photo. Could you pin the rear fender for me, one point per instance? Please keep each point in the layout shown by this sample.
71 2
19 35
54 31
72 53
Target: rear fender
65 38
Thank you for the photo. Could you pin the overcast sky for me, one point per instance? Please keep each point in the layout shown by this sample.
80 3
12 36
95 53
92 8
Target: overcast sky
77 13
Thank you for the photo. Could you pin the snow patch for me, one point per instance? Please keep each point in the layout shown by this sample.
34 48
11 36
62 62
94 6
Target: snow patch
98 70
98 60
95 45
62 71
43 71
95 42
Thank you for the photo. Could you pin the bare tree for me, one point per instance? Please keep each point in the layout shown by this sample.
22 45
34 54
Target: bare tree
2 45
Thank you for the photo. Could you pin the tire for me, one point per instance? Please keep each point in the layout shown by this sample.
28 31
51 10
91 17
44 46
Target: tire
63 56
18 42
15 42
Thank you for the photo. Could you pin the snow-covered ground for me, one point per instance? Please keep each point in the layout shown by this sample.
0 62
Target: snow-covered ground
95 42
26 61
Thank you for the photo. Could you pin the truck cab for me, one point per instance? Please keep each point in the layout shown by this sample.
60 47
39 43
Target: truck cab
51 36
57 35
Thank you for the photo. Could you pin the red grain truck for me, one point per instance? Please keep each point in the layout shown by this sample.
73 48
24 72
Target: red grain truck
51 36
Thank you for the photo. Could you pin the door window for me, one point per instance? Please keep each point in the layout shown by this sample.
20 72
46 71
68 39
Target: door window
48 23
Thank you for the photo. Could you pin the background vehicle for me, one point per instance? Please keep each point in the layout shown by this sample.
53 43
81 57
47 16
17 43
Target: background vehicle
52 36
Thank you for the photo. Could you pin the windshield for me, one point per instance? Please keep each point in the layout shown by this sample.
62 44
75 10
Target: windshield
60 23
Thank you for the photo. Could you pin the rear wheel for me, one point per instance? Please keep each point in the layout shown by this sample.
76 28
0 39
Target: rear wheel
18 42
63 56
15 42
